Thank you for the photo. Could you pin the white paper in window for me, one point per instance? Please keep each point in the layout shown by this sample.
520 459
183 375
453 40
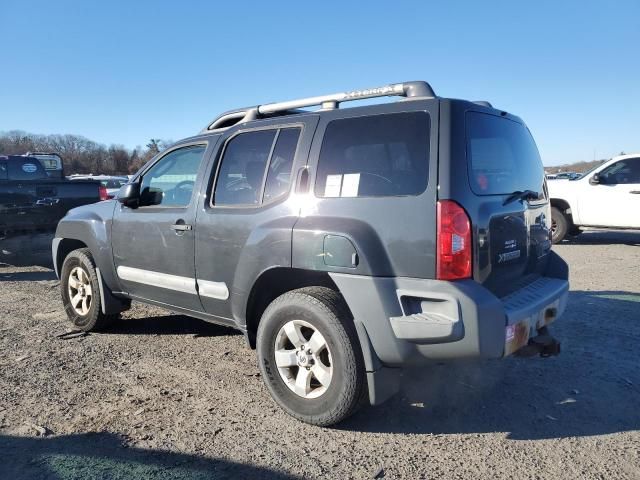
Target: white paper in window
332 187
350 185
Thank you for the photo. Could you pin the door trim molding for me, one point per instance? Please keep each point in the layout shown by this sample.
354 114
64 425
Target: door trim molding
157 279
205 288
217 290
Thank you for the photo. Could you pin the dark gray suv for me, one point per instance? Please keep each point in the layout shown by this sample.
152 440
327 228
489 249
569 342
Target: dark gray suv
345 243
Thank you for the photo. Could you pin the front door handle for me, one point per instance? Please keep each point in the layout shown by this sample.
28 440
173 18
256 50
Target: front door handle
181 227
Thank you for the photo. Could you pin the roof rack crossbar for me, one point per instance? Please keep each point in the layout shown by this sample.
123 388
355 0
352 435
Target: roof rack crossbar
327 102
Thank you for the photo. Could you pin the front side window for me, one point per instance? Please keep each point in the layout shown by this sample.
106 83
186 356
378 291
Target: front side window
248 158
170 181
622 172
379 155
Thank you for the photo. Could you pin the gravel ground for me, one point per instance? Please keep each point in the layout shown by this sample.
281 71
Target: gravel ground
166 396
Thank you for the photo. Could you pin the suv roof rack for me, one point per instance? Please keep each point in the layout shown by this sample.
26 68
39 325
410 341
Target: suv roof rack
326 102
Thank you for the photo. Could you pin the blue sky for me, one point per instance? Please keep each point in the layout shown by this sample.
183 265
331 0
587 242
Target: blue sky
125 71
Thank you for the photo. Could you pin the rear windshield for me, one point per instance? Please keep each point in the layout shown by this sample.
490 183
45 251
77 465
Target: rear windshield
25 168
502 156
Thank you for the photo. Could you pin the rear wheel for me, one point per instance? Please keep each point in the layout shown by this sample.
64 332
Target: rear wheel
559 225
310 357
81 292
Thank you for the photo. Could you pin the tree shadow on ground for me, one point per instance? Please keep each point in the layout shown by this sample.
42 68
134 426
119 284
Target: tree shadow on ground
170 325
592 388
102 455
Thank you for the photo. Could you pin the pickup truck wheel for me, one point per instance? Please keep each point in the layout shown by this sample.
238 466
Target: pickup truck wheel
559 225
81 292
310 357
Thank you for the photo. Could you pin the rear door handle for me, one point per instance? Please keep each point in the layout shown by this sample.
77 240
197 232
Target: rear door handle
637 192
181 227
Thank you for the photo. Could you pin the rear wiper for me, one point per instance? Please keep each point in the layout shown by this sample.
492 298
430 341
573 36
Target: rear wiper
521 195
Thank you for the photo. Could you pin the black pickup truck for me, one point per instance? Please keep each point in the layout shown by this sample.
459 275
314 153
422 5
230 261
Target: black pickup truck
30 200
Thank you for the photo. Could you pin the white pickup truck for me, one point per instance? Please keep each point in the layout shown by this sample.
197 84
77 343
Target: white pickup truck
606 197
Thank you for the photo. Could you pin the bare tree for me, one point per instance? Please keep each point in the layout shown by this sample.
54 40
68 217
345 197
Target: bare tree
80 154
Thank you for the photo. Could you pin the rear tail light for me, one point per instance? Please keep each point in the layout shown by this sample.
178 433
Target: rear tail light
453 259
104 195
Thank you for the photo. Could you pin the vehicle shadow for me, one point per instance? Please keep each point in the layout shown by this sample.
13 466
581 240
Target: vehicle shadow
27 276
170 324
102 455
592 388
605 237
27 250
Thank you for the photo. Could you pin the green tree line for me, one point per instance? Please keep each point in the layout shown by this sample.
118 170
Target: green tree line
80 154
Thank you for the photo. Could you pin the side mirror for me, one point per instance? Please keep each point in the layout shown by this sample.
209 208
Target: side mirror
595 179
129 195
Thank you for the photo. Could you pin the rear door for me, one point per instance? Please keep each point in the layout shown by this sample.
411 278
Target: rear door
154 244
495 160
247 214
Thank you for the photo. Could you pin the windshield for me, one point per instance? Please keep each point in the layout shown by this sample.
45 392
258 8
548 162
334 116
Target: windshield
584 174
502 156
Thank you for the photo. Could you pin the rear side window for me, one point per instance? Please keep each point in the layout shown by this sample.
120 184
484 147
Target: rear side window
374 156
281 164
501 156
247 158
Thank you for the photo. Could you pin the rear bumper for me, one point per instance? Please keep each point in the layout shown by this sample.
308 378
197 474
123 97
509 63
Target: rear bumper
413 321
530 309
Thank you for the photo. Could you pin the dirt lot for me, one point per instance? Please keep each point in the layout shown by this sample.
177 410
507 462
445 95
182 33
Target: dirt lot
165 396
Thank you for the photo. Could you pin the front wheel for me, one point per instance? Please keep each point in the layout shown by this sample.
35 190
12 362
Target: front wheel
81 292
310 357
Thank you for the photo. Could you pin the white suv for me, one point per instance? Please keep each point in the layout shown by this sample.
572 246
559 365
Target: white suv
607 196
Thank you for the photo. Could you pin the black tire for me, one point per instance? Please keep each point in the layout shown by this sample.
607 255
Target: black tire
94 319
326 311
560 225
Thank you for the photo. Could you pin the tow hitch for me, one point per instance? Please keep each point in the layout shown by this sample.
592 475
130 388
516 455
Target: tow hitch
543 344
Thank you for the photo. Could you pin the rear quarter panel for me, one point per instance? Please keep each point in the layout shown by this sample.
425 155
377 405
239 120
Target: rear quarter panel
392 235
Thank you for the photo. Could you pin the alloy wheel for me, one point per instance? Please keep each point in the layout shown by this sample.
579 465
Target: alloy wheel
80 291
303 359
